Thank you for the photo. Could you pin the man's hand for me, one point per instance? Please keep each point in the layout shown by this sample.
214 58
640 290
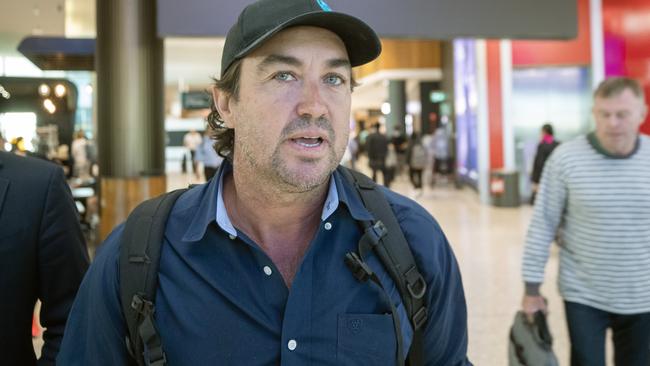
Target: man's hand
531 304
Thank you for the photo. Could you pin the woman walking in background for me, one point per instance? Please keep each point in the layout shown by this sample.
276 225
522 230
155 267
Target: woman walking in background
547 144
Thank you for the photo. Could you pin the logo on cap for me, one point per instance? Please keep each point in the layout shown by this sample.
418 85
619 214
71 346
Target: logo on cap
323 5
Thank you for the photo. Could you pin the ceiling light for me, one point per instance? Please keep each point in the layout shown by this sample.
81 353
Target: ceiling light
49 106
59 90
4 93
44 90
385 108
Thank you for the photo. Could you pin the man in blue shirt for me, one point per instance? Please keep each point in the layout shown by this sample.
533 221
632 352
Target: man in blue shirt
252 267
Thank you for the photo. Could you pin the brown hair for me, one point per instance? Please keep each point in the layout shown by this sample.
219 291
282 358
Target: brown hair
616 85
223 136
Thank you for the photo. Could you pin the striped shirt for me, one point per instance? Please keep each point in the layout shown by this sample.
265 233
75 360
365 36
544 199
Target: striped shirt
599 208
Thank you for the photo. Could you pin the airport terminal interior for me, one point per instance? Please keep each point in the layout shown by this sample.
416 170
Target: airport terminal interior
476 99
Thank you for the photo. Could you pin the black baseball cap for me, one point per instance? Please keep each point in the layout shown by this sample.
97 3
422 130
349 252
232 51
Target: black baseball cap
261 20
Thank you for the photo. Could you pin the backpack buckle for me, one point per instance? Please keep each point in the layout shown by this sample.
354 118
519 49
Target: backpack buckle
359 268
376 232
415 283
420 318
142 305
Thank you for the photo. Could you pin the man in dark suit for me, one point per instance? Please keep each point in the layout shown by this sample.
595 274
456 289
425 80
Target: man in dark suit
42 256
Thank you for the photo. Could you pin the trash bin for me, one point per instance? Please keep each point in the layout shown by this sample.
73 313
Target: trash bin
504 188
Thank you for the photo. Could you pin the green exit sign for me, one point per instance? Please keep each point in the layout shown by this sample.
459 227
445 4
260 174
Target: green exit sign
437 96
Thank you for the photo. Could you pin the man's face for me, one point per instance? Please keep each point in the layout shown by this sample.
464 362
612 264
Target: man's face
291 118
618 118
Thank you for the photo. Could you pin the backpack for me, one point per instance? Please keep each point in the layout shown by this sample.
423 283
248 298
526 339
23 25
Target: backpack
141 245
418 157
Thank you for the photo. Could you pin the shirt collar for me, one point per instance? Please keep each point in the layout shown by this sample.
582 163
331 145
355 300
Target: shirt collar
332 200
330 206
214 209
206 206
222 215
595 143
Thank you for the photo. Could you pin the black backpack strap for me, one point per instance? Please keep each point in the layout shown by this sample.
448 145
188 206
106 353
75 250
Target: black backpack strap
141 244
385 238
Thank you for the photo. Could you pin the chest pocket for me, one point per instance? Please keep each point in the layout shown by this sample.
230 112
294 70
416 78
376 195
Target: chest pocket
366 339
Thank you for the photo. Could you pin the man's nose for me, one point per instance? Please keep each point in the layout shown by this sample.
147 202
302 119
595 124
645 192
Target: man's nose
311 100
613 121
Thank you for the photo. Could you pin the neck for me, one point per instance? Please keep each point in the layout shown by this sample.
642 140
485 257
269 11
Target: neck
617 151
620 149
269 214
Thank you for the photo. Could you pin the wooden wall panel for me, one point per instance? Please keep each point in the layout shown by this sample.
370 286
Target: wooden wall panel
120 195
403 54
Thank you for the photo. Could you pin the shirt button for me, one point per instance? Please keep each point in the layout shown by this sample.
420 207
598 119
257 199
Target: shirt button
268 271
292 345
232 237
328 226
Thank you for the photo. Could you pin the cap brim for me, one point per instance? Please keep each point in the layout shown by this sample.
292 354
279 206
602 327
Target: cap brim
361 42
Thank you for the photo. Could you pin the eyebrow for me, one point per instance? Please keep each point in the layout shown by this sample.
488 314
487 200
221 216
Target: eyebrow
292 61
339 62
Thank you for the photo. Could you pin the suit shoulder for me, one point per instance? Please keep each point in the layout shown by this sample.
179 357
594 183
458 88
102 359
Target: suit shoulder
12 165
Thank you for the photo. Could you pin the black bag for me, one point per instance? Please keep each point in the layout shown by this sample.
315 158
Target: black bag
141 244
531 344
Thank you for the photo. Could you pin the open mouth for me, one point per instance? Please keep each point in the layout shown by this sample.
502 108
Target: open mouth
309 142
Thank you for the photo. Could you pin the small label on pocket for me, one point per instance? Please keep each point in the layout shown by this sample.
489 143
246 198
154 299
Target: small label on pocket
366 339
355 325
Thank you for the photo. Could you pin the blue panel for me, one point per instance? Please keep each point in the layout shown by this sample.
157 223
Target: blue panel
466 108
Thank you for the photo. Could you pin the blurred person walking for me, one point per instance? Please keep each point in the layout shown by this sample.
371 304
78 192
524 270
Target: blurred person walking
191 140
547 144
417 158
208 156
42 256
594 197
400 142
80 158
377 148
391 166
442 162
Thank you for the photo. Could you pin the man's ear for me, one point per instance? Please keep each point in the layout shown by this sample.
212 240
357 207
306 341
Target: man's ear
222 102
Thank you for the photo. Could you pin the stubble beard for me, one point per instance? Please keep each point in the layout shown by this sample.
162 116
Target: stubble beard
295 179
314 176
303 181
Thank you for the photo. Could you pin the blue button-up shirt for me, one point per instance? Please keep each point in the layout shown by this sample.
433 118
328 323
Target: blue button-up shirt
222 301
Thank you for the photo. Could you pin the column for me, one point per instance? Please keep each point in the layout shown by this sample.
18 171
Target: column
397 101
130 119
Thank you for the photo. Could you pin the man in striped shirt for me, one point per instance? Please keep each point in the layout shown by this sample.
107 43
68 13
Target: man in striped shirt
594 197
